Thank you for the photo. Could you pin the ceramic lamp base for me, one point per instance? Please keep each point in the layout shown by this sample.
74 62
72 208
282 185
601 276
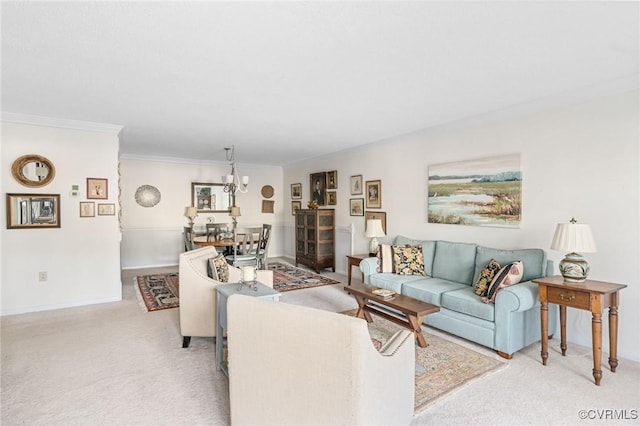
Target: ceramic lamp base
574 268
373 247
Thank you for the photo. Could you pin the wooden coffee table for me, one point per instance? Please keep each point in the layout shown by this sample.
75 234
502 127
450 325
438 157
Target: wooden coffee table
414 310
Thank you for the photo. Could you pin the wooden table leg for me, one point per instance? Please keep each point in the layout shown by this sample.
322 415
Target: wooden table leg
414 324
563 329
362 313
596 336
349 274
544 335
613 332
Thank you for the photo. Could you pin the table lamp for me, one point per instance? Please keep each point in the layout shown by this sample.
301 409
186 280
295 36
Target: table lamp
574 237
191 212
234 212
374 230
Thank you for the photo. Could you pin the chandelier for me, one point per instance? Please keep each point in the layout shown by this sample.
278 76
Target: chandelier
234 183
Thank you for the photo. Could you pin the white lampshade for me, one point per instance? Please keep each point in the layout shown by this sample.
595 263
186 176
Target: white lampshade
235 211
574 237
191 212
245 180
374 229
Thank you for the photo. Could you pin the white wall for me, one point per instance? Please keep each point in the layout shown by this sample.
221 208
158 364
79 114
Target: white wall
82 257
152 236
577 161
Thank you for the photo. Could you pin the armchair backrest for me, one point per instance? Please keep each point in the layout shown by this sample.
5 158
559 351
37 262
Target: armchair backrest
323 362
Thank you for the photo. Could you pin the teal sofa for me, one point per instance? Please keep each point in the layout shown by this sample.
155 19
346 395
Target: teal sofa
452 268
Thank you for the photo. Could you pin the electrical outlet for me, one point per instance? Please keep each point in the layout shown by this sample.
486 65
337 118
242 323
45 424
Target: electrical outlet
42 276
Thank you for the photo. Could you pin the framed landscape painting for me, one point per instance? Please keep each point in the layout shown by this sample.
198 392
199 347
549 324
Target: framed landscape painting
482 192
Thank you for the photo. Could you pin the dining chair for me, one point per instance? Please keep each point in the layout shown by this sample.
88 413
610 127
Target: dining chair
244 249
215 230
188 238
263 246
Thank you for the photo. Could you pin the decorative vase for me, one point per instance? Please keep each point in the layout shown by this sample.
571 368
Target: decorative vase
312 205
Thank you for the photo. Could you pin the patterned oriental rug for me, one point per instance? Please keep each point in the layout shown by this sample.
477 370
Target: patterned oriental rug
288 277
158 291
441 368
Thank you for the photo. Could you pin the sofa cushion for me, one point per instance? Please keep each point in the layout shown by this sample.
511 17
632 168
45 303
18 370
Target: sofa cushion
408 260
533 260
465 301
428 250
486 276
509 274
430 290
455 261
392 281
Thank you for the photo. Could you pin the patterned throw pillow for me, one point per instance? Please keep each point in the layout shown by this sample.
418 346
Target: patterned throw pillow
486 276
408 260
218 268
385 258
510 274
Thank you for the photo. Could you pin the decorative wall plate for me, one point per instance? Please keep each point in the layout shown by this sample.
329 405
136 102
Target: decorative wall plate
267 191
147 196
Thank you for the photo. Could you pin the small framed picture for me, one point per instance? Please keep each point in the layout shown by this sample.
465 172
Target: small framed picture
295 205
374 194
332 180
87 209
356 206
332 199
356 185
97 188
106 209
267 206
376 215
296 190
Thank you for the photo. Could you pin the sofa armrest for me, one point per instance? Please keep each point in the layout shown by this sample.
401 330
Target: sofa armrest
519 297
369 266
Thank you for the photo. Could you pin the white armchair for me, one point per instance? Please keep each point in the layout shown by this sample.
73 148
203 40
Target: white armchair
197 293
293 365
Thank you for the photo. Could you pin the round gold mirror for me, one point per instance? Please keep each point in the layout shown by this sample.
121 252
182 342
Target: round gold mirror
33 170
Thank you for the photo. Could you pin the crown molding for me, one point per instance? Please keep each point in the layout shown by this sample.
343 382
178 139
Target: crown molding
38 120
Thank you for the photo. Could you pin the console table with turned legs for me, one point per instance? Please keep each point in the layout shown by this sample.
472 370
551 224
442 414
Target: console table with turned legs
589 295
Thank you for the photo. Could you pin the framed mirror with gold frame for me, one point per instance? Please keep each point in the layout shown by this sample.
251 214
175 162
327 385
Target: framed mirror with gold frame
33 170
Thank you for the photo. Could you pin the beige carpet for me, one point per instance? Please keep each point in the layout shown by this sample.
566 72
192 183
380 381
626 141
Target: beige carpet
442 367
115 364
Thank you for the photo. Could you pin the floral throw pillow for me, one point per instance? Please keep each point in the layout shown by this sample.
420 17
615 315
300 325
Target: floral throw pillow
408 260
510 274
486 276
218 268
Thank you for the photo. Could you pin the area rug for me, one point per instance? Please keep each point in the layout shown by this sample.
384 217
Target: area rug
442 367
157 292
288 277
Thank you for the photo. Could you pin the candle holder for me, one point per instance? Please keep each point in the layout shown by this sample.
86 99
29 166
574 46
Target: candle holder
249 276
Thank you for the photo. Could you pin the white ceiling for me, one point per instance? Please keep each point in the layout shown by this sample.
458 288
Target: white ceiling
284 81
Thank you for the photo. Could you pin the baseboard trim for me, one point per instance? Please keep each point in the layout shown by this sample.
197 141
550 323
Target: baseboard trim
43 308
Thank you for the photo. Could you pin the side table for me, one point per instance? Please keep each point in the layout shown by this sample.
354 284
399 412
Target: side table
588 295
354 260
223 293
